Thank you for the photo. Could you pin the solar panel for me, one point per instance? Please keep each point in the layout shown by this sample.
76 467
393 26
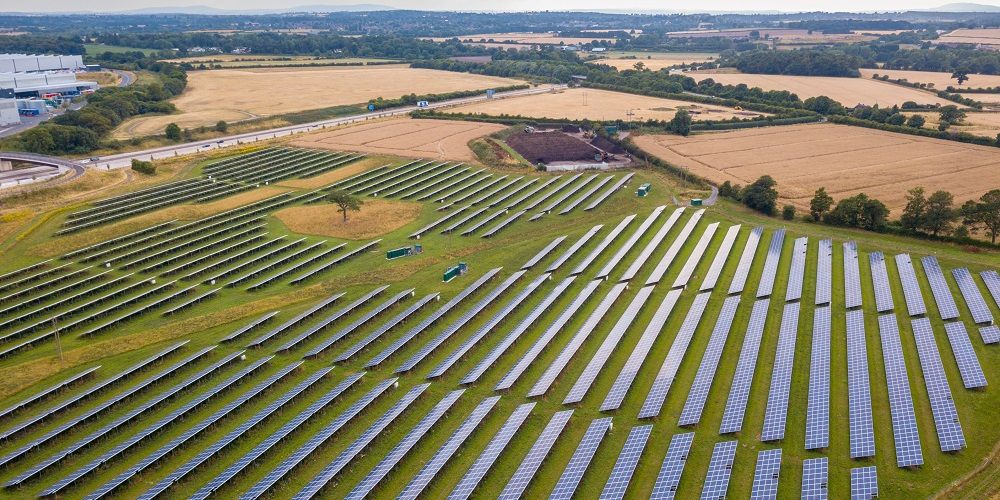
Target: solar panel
516 332
765 475
859 398
880 281
458 323
607 347
818 400
487 327
384 327
610 191
445 452
578 463
556 366
824 272
488 457
766 284
949 429
286 429
543 253
781 375
295 320
652 245
852 276
564 196
359 322
672 363
502 224
992 281
486 220
672 468
440 221
332 262
529 466
798 269
698 394
721 256
739 392
719 469
431 319
403 447
911 288
38 396
746 260
347 455
668 258
864 483
531 193
939 288
574 248
529 357
631 369
603 245
973 298
329 320
965 355
216 446
814 479
699 250
586 194
628 459
990 334
904 421
630 242
510 194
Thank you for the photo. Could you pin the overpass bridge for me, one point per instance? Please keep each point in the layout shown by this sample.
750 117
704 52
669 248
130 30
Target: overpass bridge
43 168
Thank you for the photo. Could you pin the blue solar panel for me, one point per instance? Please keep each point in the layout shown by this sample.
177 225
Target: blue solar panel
533 460
949 429
691 414
766 284
587 261
911 288
720 467
329 320
607 347
852 276
781 376
765 475
652 245
864 483
631 369
965 355
797 272
814 479
746 260
824 272
859 398
358 323
294 321
818 405
739 392
488 457
630 242
577 245
544 252
904 421
973 298
38 396
668 258
695 257
880 281
578 463
586 194
992 280
672 363
672 468
939 288
628 459
385 327
721 256
610 191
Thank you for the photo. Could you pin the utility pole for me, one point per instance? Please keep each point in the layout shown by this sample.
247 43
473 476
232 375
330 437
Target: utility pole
55 328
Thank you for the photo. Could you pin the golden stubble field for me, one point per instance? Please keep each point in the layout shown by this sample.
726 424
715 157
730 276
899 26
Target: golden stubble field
239 94
654 61
845 160
525 38
847 91
594 104
985 36
443 139
939 79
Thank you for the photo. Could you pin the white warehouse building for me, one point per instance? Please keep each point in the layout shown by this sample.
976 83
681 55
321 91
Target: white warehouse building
26 63
35 84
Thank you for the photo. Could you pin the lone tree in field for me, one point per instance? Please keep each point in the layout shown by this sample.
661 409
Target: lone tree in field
345 202
820 204
761 195
681 123
962 75
984 214
221 126
173 132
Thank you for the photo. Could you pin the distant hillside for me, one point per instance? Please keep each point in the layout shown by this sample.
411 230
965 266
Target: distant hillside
964 7
212 11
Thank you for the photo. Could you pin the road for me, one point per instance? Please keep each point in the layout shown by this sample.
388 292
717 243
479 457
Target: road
126 77
124 160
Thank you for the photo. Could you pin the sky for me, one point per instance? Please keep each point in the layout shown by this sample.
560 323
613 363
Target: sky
509 5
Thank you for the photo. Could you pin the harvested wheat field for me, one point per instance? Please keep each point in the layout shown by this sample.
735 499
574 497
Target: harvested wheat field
580 103
525 38
654 61
847 91
444 139
845 160
983 36
985 124
940 80
376 218
240 94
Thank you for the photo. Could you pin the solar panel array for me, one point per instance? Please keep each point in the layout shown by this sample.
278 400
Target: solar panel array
814 478
949 429
626 247
543 253
880 280
939 288
610 191
295 321
329 320
852 276
864 483
911 288
691 414
578 463
746 260
625 465
818 399
765 475
973 298
720 467
668 258
357 323
577 245
385 327
824 272
739 392
965 355
651 246
721 256
904 421
766 284
859 388
489 456
699 250
533 460
781 375
992 280
585 264
672 468
798 269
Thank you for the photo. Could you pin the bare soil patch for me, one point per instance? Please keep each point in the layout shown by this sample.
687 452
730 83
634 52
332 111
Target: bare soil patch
547 147
845 160
376 218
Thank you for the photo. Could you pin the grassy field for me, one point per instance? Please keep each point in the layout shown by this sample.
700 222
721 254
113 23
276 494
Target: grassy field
256 60
206 323
100 48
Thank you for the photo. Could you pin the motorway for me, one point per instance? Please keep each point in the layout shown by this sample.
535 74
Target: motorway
124 160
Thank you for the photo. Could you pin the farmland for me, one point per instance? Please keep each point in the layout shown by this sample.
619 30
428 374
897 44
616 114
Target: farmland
986 124
430 138
984 36
844 160
254 60
939 80
240 94
655 61
593 104
847 91
525 38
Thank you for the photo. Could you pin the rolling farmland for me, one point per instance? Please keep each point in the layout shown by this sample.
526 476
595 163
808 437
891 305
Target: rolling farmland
940 80
655 61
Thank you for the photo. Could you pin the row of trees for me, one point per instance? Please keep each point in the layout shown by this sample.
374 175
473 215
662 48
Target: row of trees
798 62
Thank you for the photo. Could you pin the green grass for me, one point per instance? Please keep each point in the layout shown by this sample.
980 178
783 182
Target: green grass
215 318
93 49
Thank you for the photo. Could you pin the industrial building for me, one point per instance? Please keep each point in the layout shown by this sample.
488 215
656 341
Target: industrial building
37 84
27 80
9 115
26 63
